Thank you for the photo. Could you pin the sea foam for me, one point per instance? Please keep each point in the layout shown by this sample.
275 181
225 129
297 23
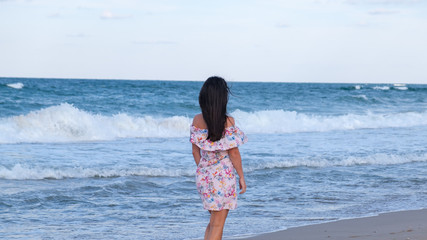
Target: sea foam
66 123
375 159
24 172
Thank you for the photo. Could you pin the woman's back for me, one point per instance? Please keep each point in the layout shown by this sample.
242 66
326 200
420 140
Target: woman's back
200 123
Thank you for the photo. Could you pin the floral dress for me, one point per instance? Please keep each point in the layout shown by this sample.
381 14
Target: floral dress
215 177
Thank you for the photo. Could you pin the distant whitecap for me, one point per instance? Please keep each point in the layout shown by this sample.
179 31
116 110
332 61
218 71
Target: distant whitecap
362 96
403 88
381 88
15 85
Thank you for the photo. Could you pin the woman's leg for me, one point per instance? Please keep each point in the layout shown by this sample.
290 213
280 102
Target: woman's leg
216 224
207 229
207 232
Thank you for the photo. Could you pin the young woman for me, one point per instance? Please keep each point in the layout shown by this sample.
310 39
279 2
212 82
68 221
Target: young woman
215 141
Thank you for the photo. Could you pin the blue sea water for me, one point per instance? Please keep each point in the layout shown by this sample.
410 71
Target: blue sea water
111 159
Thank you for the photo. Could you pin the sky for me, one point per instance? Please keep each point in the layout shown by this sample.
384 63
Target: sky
348 41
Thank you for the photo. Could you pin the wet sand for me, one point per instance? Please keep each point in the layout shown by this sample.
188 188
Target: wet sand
404 225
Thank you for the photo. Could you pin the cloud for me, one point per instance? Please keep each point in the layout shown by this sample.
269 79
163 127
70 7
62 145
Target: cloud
53 15
383 12
78 35
158 42
385 2
110 15
282 25
362 24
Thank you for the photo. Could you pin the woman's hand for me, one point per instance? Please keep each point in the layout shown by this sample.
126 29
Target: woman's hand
242 185
236 160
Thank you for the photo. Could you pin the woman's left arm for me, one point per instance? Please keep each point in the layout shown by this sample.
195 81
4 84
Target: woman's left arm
196 154
236 160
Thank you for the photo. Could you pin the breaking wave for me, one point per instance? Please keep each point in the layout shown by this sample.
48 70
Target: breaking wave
23 172
279 121
376 159
66 123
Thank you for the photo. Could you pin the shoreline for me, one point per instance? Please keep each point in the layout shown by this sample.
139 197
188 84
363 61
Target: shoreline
410 224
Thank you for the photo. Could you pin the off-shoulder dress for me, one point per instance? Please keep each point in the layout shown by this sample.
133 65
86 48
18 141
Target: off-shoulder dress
215 177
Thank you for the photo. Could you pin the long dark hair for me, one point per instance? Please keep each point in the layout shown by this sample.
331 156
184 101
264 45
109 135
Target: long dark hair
213 99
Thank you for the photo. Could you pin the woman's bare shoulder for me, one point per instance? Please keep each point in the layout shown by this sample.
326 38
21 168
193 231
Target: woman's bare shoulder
230 121
199 122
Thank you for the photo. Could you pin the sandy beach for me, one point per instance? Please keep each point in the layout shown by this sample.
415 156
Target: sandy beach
404 225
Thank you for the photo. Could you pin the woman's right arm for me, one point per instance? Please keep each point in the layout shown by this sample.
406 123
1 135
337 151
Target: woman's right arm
197 122
196 154
236 159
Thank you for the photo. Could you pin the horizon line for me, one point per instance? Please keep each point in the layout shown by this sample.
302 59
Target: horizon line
193 80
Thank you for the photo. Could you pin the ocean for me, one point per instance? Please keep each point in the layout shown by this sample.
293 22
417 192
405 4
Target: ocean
111 159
